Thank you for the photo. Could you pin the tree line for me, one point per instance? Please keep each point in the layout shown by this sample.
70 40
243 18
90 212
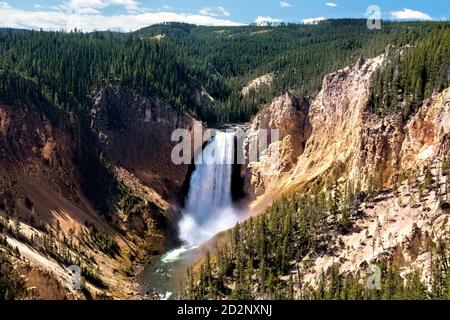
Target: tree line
219 60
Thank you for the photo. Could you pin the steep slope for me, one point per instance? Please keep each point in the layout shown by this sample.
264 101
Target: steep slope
41 191
289 116
135 133
346 140
99 199
356 190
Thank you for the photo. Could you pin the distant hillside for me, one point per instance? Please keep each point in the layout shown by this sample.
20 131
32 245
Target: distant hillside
186 64
299 56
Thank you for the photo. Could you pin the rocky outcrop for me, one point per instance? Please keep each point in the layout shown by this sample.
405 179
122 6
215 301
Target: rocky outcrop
108 186
395 225
428 132
263 81
289 116
339 137
43 158
135 133
33 145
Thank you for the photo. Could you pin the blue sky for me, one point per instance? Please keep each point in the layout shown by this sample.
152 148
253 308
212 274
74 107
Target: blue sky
129 15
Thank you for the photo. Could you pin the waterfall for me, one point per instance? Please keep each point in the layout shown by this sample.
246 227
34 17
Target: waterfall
209 209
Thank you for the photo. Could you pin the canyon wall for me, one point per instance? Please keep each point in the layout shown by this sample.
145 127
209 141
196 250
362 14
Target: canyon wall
96 193
338 137
135 133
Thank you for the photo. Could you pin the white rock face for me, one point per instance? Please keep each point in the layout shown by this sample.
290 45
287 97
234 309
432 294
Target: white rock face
337 130
288 115
265 80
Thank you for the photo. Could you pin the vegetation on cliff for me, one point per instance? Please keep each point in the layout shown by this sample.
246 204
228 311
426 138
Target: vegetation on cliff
261 258
412 74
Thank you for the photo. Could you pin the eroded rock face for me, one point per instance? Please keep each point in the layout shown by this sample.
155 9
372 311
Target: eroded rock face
288 115
135 132
338 131
428 132
31 145
265 80
47 159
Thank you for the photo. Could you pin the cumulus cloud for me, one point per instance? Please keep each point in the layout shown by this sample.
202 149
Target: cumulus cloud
262 21
409 14
214 12
331 4
60 19
4 5
285 4
313 20
130 5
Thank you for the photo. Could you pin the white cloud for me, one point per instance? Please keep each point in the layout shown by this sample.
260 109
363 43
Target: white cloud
77 4
313 20
285 4
408 14
331 4
130 5
4 5
214 12
58 19
37 6
263 21
88 11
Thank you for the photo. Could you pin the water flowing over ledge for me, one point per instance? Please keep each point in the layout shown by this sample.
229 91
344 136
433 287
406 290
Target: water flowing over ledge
209 208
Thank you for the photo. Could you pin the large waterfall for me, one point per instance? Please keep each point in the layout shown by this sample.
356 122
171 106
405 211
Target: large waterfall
209 210
209 207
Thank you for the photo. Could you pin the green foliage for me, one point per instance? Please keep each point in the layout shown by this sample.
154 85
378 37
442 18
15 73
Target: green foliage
298 55
67 67
263 248
103 240
132 204
93 278
412 74
11 284
260 257
446 165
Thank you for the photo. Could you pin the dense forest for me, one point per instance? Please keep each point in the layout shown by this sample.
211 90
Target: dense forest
261 255
298 55
411 74
185 61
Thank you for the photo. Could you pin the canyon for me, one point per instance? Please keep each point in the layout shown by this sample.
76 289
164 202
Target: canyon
339 139
94 186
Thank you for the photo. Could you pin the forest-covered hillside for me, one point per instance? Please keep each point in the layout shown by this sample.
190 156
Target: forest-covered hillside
178 62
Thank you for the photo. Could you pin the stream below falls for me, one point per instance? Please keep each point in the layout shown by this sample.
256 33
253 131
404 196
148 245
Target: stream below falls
209 210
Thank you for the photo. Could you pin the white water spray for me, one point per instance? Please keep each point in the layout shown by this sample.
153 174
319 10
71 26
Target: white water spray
209 209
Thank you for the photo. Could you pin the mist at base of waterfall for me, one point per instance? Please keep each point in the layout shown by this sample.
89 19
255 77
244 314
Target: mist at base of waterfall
194 232
209 209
